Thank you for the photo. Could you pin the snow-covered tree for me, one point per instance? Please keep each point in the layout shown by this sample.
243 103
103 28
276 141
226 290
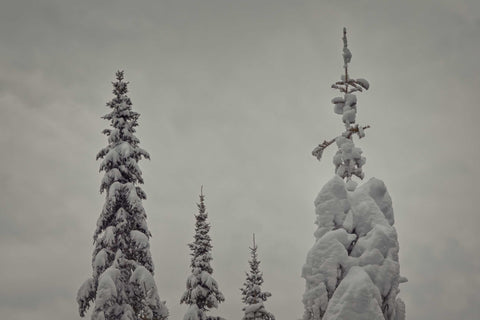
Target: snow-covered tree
122 285
252 294
202 293
352 270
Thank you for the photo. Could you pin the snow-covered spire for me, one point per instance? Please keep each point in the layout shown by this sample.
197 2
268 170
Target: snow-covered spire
202 291
352 271
348 160
252 294
122 284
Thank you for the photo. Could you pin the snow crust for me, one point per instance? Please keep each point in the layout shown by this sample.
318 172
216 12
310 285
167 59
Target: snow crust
363 82
108 238
100 261
140 239
85 294
352 270
355 298
348 159
194 313
144 286
106 290
256 311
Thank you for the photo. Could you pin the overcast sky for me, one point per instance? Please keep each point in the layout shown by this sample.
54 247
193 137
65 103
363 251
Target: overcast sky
234 95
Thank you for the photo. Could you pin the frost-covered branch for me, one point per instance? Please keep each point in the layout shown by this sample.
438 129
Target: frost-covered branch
348 160
318 151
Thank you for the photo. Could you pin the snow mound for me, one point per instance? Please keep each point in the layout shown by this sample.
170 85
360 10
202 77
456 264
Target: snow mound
257 311
331 206
356 298
107 290
145 287
348 159
109 237
139 239
326 262
252 308
100 261
363 82
85 294
352 270
377 190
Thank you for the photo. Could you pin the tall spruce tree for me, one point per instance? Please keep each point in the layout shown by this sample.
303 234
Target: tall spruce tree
252 294
122 285
202 291
352 271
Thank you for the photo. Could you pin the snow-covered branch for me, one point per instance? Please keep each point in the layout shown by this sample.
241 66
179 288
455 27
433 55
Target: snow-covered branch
318 151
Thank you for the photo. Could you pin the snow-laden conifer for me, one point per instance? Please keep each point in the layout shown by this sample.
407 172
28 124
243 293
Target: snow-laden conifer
252 294
122 285
202 293
352 270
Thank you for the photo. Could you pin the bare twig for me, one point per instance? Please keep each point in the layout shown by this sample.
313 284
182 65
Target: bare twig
345 48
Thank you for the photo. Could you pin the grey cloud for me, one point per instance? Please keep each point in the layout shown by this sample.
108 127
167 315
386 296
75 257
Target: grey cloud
446 274
234 95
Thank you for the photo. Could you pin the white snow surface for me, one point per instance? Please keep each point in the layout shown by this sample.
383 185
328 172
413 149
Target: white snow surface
106 290
363 82
140 239
144 279
252 308
108 238
348 160
87 289
100 261
194 313
352 270
356 298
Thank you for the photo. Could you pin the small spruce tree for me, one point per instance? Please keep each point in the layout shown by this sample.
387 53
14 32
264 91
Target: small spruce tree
252 294
122 285
202 291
